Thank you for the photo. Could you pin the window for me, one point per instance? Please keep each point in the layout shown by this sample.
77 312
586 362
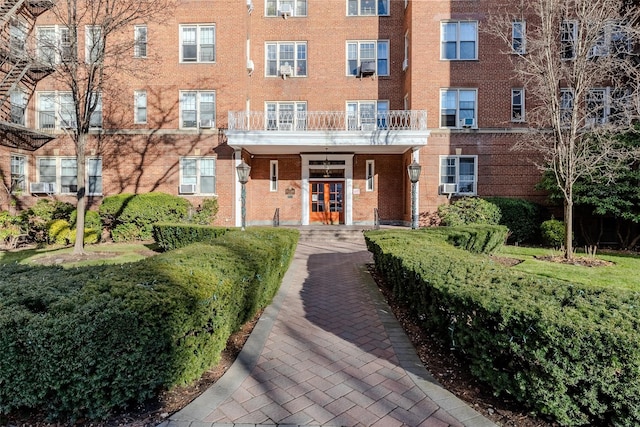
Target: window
458 108
367 115
53 44
200 173
459 40
293 7
286 115
56 110
140 40
518 41
367 7
198 43
568 39
517 105
62 173
273 175
612 39
606 105
18 173
566 105
459 172
17 37
286 58
94 44
18 101
365 54
370 175
197 109
140 107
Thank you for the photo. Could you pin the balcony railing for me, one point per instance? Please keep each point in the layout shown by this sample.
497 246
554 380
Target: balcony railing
412 120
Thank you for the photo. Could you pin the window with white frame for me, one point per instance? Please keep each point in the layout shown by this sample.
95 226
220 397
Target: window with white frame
94 176
53 44
566 105
286 8
606 105
458 174
62 173
273 175
458 108
517 105
518 40
94 44
140 107
371 173
198 175
18 100
286 59
286 115
370 55
198 43
197 109
367 115
367 7
568 39
612 39
18 31
459 40
56 110
140 41
18 173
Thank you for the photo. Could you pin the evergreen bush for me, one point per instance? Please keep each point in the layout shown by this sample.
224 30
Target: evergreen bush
522 217
553 233
469 210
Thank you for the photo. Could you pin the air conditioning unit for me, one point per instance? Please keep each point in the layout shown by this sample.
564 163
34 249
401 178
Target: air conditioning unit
285 10
448 188
206 124
468 122
250 66
250 6
187 188
368 126
42 187
367 68
405 64
285 126
286 70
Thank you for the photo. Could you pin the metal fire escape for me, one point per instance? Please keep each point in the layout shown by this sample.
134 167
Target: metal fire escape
20 71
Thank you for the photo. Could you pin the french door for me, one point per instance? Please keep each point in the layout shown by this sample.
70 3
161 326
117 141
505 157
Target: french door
327 203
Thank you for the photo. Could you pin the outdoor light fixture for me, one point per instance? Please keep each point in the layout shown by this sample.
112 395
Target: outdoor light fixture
243 170
414 175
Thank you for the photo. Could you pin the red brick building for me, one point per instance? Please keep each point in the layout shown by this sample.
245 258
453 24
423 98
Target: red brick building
328 102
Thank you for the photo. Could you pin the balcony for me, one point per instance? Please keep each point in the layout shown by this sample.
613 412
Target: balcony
340 131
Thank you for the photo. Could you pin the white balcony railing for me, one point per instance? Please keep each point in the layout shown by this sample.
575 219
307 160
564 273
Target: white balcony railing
412 120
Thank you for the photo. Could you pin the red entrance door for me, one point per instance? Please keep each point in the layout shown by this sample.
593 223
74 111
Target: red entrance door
327 204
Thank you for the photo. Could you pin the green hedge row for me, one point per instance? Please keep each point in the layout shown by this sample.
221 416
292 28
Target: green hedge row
171 236
562 349
84 342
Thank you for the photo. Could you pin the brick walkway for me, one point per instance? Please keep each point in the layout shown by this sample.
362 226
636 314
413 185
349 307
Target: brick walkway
327 352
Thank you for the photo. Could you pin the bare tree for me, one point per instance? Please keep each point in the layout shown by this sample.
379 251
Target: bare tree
105 28
575 60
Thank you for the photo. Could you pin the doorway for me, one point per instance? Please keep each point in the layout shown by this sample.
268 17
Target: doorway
326 202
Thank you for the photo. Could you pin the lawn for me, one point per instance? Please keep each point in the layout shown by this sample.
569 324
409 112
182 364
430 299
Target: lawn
107 253
622 274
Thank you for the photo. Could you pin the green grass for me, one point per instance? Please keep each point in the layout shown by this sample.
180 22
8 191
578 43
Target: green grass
623 274
122 253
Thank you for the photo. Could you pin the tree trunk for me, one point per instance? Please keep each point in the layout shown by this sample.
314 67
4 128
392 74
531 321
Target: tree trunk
568 229
81 195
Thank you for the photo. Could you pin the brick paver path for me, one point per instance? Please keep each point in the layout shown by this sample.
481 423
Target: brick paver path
327 352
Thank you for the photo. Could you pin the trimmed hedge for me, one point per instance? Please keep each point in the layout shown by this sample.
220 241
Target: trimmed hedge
562 349
85 342
173 236
522 217
469 210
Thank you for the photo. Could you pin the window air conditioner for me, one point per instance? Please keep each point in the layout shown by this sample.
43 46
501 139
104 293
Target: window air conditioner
206 124
448 188
250 66
367 68
468 122
42 187
285 10
285 126
286 70
187 188
368 126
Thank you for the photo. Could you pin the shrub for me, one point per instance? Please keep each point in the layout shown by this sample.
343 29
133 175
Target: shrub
553 233
92 227
37 217
86 341
562 349
58 231
206 213
91 236
173 236
10 227
131 217
469 210
522 217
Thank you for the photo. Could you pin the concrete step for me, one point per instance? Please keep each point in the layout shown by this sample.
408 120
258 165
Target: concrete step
332 234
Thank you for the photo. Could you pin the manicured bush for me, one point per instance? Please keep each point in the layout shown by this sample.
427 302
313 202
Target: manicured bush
10 227
131 217
553 233
92 227
206 213
58 231
37 218
469 210
173 236
85 342
562 349
522 217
